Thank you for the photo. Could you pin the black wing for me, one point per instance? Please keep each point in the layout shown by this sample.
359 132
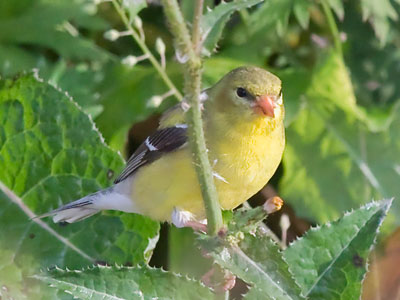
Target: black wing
162 141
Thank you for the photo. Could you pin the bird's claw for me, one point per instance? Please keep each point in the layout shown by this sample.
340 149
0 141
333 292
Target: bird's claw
196 226
182 218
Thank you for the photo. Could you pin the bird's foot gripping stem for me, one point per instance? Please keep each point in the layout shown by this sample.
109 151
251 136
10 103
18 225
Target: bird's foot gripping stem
183 218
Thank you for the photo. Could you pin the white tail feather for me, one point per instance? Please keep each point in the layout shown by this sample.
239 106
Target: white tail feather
73 214
113 198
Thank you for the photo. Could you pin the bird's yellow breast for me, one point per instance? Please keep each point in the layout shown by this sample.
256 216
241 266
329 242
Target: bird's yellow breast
244 156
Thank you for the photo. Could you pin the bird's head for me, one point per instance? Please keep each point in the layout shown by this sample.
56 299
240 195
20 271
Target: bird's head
253 91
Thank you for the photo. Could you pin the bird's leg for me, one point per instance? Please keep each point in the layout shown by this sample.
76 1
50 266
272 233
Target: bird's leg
183 218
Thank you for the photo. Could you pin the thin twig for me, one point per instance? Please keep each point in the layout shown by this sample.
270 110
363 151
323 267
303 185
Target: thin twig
193 69
333 27
196 30
226 295
146 50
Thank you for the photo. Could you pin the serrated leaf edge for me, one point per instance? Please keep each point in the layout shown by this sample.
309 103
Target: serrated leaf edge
382 203
35 73
118 267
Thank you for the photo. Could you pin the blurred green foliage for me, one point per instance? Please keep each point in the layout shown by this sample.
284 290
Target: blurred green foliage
342 113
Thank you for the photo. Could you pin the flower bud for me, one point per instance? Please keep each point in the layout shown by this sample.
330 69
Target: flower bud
111 35
155 101
160 46
137 22
130 60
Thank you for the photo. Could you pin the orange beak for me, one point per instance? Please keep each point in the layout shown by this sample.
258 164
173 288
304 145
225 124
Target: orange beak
265 105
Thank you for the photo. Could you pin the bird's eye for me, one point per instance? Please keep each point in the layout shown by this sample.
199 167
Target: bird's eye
241 92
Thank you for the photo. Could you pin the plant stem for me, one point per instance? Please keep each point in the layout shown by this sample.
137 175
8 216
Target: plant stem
146 50
226 295
333 27
193 69
244 15
196 31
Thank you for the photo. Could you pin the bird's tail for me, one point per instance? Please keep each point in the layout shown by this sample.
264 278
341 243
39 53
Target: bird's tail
87 206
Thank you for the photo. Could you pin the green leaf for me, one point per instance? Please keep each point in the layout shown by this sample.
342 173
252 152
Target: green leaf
331 82
15 59
329 262
256 294
188 7
295 83
337 6
60 33
184 256
258 261
125 283
125 92
272 14
301 11
333 137
82 82
213 22
134 7
252 256
51 154
379 13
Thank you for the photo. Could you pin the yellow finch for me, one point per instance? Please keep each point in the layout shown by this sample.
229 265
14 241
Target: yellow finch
243 123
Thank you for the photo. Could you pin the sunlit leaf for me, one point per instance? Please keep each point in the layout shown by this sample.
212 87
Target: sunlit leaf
333 161
272 14
214 21
112 283
301 11
337 6
51 154
379 13
329 262
253 256
57 33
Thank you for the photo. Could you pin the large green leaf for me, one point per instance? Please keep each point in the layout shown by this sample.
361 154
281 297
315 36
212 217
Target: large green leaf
51 154
51 25
273 14
379 13
213 22
112 283
82 81
125 93
333 160
250 254
257 260
329 262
